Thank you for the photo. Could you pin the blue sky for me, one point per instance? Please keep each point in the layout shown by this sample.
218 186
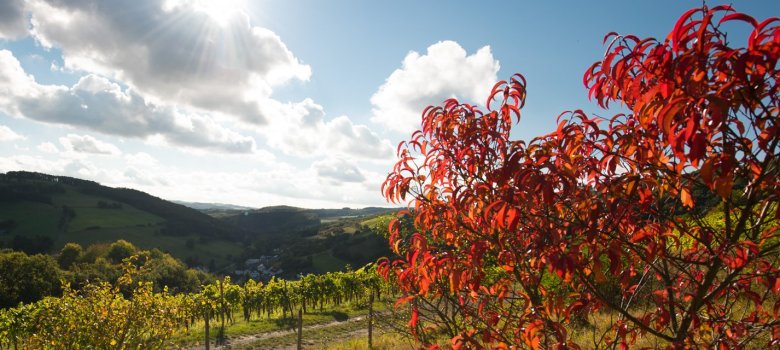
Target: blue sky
286 102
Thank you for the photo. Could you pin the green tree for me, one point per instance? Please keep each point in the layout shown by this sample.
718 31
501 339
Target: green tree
26 278
69 254
100 269
120 250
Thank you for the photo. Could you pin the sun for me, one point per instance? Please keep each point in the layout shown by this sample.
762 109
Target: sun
221 11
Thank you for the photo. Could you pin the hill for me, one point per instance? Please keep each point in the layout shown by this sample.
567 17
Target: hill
212 206
40 213
311 240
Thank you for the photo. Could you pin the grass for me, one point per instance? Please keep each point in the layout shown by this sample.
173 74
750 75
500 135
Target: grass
378 222
89 217
367 246
97 225
345 315
73 198
309 337
325 262
32 218
588 335
147 237
380 341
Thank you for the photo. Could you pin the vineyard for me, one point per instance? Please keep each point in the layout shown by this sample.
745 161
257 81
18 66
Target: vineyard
130 315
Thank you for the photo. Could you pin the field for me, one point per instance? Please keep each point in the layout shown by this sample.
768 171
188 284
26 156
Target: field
336 327
33 219
323 262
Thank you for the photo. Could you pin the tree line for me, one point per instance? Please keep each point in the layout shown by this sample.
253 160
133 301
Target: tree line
28 278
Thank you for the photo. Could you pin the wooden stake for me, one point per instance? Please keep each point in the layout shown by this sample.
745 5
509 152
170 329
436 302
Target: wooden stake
207 329
300 328
370 320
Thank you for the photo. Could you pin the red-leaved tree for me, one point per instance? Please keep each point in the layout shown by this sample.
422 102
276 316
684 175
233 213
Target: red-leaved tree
665 217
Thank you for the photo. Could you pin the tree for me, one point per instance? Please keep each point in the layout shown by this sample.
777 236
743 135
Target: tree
120 250
514 240
32 245
26 278
69 254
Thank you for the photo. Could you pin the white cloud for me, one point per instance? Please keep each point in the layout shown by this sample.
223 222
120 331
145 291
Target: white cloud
445 71
30 163
338 171
141 159
165 72
48 147
278 183
143 178
98 104
304 132
171 51
6 134
13 20
88 144
356 140
168 72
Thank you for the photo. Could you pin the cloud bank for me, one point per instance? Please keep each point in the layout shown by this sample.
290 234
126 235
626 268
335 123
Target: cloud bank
99 104
6 134
13 22
446 70
172 51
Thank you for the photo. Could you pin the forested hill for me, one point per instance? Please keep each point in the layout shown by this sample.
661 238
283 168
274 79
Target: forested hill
40 213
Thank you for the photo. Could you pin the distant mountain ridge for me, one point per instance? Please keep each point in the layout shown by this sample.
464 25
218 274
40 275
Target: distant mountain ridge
211 206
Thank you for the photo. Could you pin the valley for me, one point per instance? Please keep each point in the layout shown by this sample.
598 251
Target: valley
40 213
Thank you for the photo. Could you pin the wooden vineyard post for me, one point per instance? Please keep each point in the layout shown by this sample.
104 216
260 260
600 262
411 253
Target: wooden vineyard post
300 328
221 334
370 320
207 328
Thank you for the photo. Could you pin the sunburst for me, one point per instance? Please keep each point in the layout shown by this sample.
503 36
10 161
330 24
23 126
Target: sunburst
221 11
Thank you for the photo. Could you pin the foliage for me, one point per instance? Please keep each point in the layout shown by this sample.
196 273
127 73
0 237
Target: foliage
133 314
69 254
32 245
97 317
26 278
514 240
120 250
29 278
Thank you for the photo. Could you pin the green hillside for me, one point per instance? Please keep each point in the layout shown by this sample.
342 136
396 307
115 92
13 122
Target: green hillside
311 240
40 213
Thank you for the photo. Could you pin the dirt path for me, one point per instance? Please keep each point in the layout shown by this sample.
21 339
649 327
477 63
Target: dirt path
286 339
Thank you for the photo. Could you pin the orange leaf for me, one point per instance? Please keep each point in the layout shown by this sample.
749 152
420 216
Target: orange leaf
686 198
706 171
723 186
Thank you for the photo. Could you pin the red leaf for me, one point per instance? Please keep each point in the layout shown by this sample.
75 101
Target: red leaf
547 193
415 317
667 115
739 17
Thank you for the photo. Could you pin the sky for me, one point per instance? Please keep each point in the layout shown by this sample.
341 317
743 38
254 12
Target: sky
302 103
